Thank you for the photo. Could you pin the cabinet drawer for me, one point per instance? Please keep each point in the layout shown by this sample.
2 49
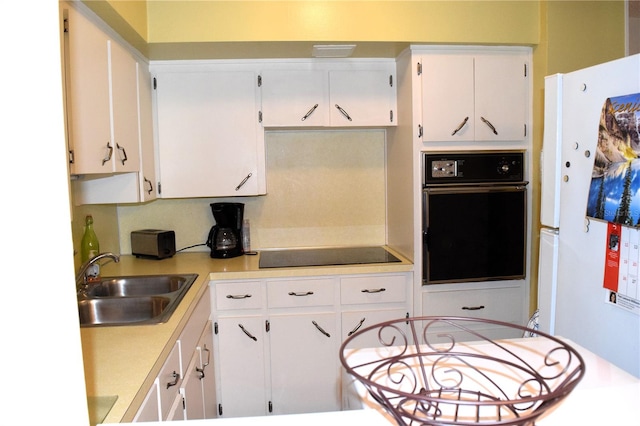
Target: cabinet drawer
373 289
500 304
300 292
169 380
239 295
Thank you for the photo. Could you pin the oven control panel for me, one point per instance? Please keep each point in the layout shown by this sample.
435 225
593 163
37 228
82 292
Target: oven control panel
473 167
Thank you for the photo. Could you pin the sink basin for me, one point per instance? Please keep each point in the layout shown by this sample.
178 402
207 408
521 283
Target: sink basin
132 300
127 310
143 285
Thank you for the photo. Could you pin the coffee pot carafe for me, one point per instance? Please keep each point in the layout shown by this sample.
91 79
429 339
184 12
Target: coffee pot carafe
225 237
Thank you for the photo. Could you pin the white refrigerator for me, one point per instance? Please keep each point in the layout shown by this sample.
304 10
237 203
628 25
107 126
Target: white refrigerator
572 300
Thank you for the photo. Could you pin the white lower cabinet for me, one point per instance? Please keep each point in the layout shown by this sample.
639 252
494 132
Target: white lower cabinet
502 302
277 340
304 363
180 391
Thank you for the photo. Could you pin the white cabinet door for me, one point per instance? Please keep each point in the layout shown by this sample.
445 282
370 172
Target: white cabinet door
500 97
447 98
474 97
192 389
124 109
240 347
205 349
361 98
209 139
294 98
304 363
169 381
88 117
147 177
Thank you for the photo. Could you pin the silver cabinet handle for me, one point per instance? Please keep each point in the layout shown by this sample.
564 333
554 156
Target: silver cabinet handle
488 123
311 111
176 377
204 364
343 112
357 327
147 181
472 308
320 329
251 336
109 153
373 290
124 153
460 126
241 184
293 293
238 296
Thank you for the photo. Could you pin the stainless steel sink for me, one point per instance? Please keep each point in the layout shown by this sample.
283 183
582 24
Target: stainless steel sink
143 285
132 300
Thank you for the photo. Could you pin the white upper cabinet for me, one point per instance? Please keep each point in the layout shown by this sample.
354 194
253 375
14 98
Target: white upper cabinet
362 97
210 143
474 96
101 99
147 178
328 94
294 98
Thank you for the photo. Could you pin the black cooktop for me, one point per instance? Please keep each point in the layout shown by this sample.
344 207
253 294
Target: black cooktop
325 257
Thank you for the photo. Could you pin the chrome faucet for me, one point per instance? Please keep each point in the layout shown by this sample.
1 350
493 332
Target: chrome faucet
81 278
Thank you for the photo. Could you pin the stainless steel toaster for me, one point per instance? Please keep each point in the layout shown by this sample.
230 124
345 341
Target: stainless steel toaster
153 243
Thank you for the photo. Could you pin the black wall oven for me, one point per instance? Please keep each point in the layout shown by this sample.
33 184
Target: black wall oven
474 216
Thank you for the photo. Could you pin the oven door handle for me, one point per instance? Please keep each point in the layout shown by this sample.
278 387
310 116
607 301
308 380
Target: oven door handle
461 189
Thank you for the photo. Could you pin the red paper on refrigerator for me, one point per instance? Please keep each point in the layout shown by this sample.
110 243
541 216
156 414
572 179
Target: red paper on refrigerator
612 262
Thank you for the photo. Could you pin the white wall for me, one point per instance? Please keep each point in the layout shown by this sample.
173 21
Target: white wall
42 358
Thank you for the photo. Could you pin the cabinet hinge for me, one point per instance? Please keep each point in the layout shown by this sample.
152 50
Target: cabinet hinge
391 116
419 68
155 83
215 327
270 407
259 81
184 404
65 25
219 409
259 116
419 130
525 70
525 130
71 158
267 326
391 80
159 185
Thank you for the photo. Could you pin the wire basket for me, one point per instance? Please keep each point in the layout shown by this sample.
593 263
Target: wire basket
446 371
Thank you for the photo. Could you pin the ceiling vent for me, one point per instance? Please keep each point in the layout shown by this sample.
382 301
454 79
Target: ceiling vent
333 50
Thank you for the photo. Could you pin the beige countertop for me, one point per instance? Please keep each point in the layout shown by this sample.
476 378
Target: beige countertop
123 361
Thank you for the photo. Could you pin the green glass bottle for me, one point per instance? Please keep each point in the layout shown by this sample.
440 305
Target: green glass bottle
90 247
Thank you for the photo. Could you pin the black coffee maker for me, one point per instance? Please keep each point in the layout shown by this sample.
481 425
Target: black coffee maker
225 238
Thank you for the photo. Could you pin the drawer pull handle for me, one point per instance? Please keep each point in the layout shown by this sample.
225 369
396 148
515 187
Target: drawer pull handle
238 296
293 293
357 327
176 377
320 329
472 308
251 336
374 290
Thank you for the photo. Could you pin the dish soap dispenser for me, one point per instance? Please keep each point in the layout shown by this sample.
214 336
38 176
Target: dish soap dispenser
89 248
